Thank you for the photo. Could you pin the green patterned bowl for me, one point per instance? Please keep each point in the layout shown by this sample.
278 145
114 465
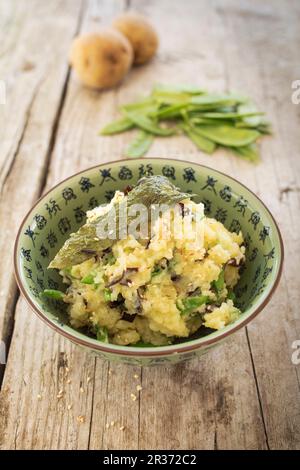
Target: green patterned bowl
62 210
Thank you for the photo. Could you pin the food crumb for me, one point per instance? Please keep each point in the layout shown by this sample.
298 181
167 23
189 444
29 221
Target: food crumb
122 428
69 407
27 66
139 388
81 390
81 419
112 423
39 397
133 396
107 425
136 376
88 380
68 381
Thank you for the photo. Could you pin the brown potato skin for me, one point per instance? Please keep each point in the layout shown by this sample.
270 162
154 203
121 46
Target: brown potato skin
140 34
102 59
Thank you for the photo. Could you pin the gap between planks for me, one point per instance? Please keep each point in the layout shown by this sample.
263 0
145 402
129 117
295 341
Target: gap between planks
257 390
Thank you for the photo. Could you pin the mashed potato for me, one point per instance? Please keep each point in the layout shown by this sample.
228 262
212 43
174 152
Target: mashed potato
159 289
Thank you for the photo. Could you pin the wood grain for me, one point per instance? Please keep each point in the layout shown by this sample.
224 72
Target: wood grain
35 75
272 334
245 393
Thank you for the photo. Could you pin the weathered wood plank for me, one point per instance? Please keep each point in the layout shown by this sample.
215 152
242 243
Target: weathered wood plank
52 378
204 402
262 48
79 145
95 108
208 403
34 404
34 71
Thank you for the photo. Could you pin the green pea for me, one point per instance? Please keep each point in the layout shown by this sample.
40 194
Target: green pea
54 294
107 295
89 279
189 304
102 334
219 283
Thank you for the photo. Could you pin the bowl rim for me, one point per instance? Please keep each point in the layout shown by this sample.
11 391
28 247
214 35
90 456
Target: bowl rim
147 351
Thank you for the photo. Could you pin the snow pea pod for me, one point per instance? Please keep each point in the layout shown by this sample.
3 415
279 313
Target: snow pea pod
228 135
117 126
169 89
145 107
264 127
208 119
169 111
144 122
174 95
204 144
248 152
140 104
252 121
218 115
216 100
212 122
171 98
139 146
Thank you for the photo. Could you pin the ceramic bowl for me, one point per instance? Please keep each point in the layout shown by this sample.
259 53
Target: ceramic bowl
61 211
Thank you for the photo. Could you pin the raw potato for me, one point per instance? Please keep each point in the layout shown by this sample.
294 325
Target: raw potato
101 59
141 35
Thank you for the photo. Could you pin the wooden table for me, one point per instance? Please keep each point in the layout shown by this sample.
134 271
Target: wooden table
244 394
